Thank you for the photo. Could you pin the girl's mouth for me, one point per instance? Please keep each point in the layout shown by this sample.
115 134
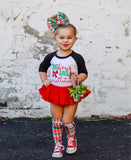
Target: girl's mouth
65 45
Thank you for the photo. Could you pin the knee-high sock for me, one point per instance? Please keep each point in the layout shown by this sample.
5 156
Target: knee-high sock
70 128
57 129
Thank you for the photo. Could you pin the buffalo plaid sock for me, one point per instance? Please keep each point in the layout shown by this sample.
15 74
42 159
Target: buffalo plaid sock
70 128
57 129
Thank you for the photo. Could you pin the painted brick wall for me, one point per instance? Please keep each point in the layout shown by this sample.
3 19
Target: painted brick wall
104 40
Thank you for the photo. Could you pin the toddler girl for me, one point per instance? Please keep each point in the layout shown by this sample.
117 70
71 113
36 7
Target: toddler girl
64 64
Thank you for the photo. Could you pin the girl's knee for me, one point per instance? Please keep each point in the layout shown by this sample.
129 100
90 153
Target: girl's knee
67 120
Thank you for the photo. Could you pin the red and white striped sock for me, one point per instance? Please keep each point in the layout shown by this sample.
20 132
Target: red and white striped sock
57 129
70 128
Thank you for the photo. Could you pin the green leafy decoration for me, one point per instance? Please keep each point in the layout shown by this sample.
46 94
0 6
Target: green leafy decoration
77 92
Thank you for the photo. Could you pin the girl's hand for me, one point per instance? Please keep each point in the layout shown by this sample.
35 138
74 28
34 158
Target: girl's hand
78 78
75 77
47 82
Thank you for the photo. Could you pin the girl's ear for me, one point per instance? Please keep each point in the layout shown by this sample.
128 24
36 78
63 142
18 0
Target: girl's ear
76 38
54 38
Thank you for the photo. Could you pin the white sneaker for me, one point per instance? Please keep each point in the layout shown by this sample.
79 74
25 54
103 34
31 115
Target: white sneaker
58 150
71 145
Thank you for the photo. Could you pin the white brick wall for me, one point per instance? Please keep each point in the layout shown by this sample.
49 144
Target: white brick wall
104 32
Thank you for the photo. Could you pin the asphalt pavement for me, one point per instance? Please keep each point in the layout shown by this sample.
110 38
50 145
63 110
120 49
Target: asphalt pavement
31 139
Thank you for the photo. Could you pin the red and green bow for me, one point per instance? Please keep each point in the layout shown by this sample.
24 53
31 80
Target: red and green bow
53 24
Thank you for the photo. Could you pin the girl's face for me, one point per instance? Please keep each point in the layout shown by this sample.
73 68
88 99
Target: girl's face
65 38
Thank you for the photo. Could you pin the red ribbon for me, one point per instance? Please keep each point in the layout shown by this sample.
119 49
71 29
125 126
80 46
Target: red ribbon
55 74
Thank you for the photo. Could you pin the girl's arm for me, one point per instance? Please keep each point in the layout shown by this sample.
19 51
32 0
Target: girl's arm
45 81
82 77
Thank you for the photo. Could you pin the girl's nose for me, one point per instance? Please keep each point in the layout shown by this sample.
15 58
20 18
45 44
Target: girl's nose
65 40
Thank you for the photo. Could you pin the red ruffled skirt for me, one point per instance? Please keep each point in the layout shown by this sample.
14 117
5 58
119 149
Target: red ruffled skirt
59 95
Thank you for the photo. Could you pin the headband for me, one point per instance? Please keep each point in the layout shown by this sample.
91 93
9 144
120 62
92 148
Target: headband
53 24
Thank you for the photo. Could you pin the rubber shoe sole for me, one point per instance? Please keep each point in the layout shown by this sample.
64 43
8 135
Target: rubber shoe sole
71 151
57 155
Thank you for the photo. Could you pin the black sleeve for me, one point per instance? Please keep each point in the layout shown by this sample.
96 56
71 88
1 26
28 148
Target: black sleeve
80 63
45 64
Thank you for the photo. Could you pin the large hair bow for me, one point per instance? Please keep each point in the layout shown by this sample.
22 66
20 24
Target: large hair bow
53 23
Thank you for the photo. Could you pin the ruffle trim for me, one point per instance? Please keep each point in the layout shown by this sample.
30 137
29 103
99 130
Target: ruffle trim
59 95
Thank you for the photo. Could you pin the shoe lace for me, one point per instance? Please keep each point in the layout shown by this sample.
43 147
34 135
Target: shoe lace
70 141
58 147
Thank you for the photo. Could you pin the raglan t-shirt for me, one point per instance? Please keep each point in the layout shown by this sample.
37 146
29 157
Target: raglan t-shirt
61 67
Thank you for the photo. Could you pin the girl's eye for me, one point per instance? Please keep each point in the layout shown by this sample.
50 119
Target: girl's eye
61 37
69 37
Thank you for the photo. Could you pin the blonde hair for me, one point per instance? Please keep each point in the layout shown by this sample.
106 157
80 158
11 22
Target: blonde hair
54 17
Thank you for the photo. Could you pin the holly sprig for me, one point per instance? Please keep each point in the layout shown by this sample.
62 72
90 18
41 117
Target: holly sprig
77 91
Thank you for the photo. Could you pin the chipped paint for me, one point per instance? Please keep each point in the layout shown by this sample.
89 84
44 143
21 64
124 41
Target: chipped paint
119 60
103 39
127 32
16 16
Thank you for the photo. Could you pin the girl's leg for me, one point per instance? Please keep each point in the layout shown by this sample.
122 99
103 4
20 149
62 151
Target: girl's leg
69 113
57 129
56 111
68 117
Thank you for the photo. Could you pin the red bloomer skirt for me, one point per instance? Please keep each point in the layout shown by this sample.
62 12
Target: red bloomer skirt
59 95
